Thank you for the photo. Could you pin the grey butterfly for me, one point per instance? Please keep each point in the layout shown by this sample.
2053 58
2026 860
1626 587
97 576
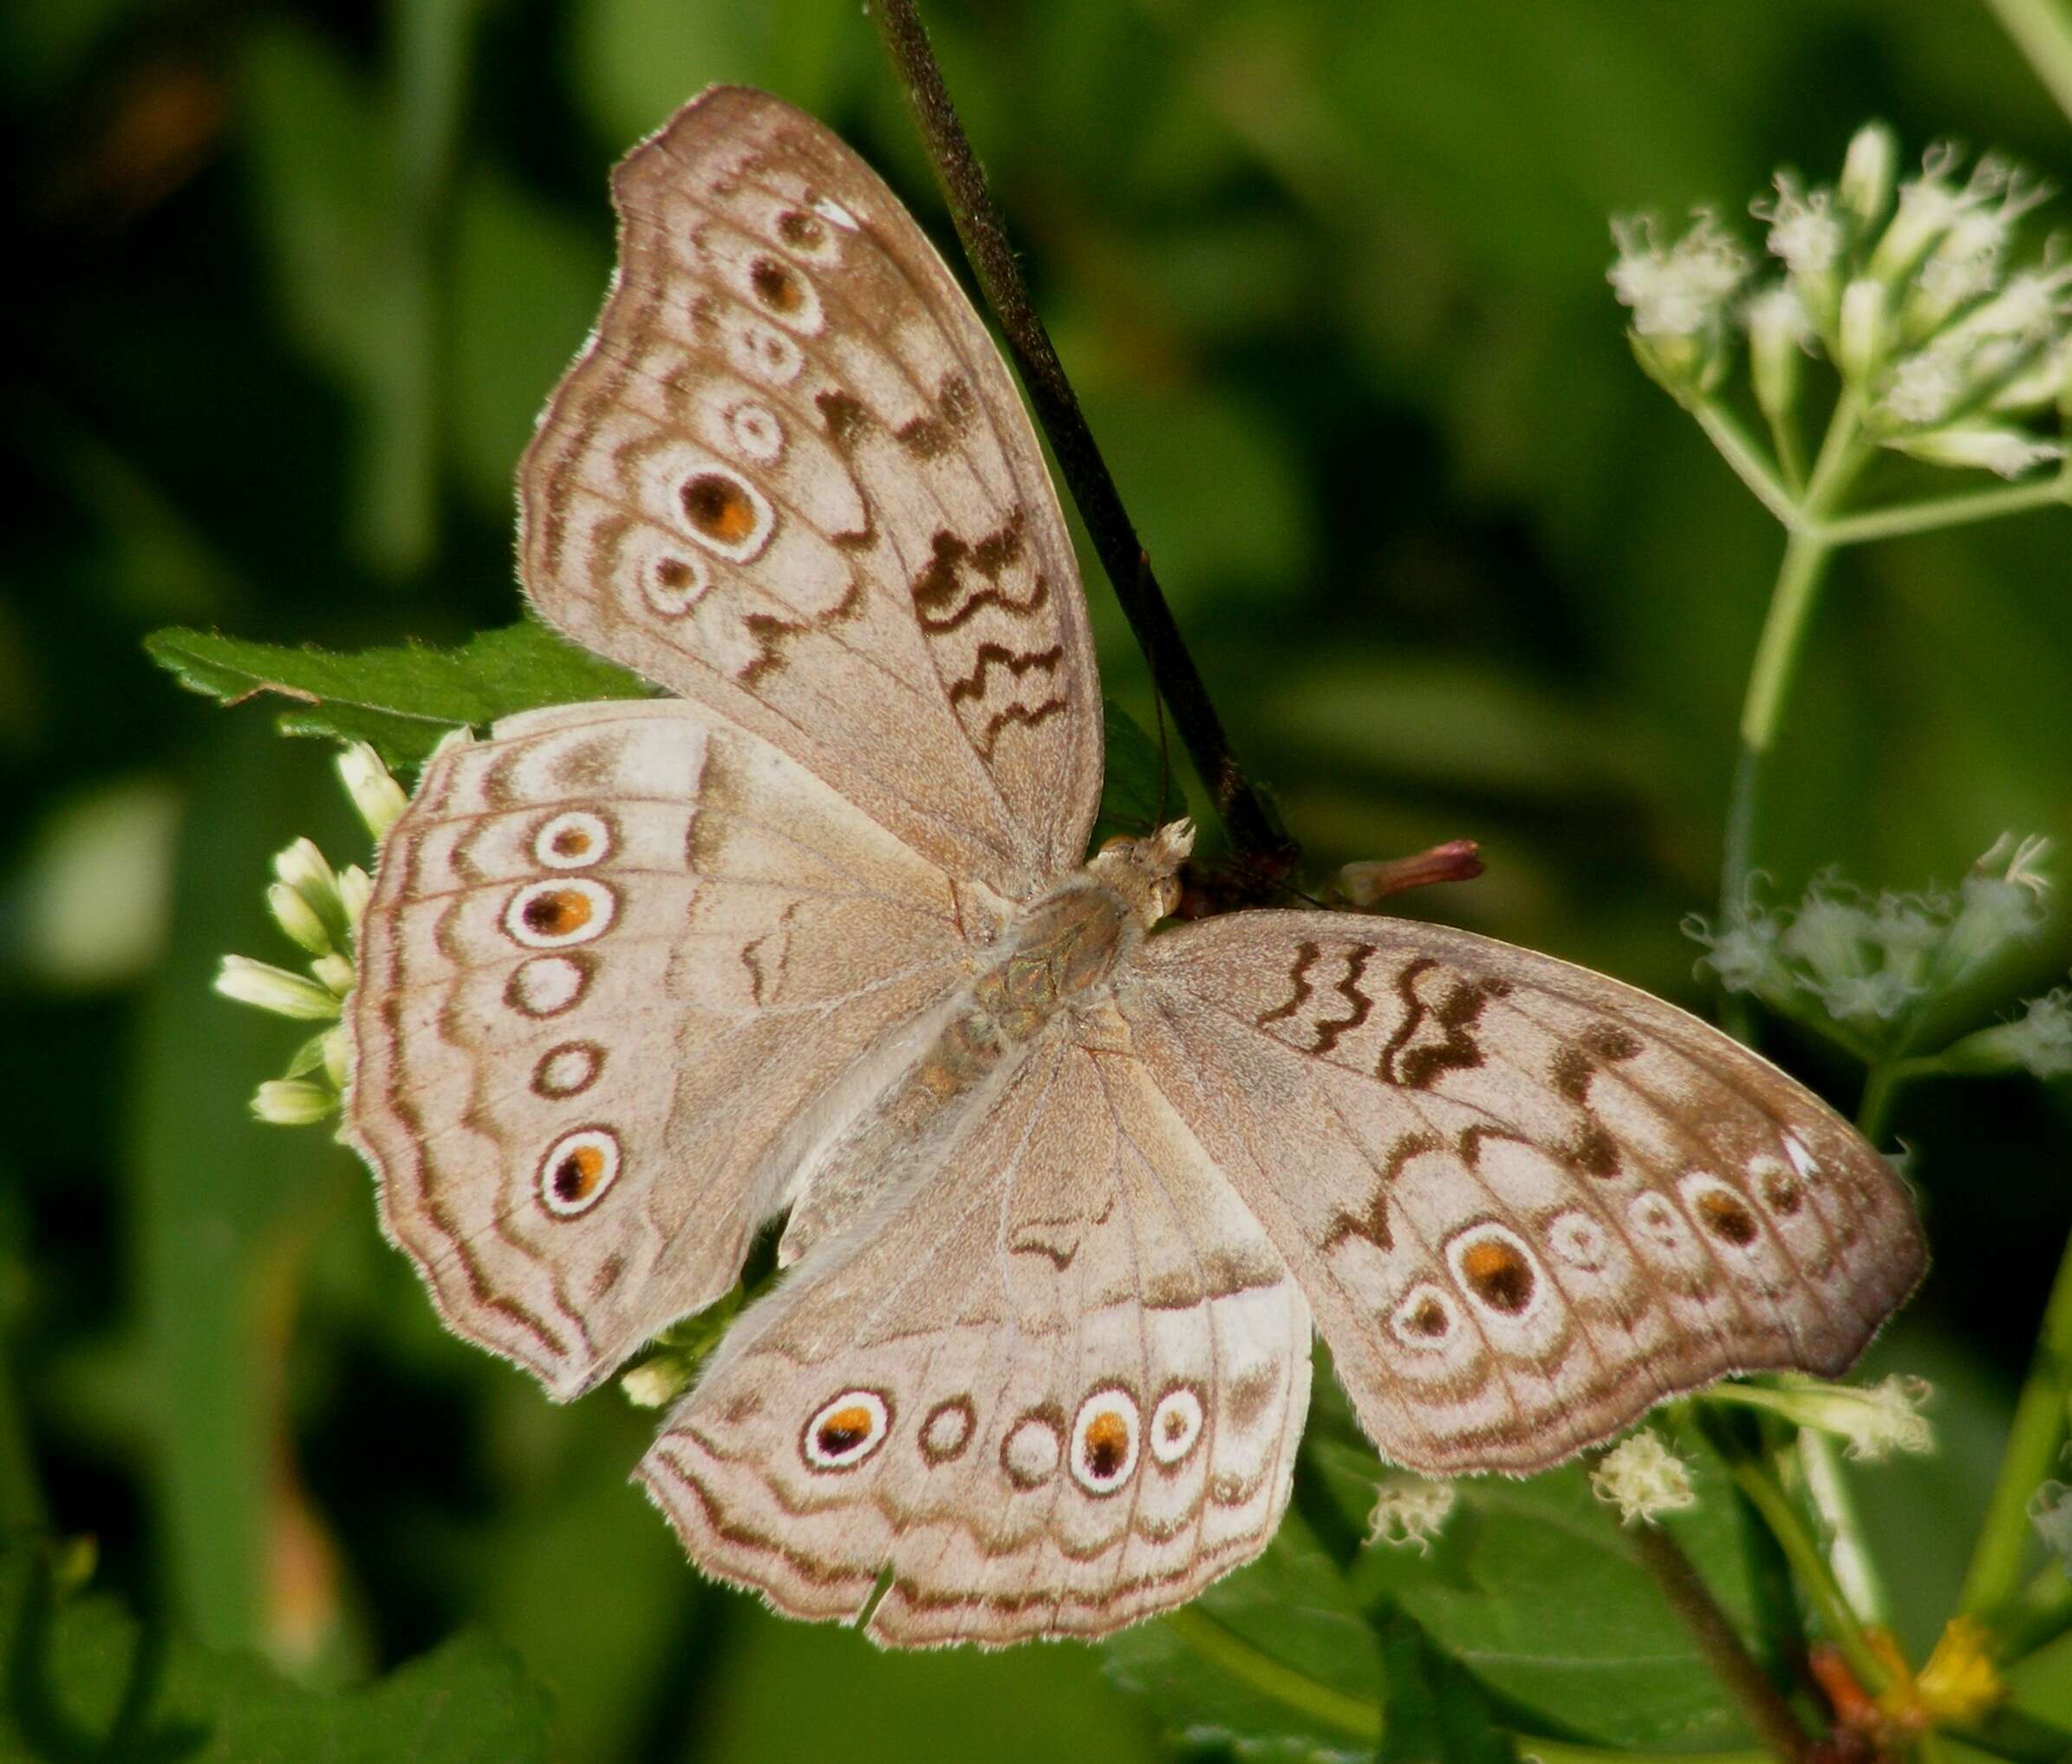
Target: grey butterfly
816 935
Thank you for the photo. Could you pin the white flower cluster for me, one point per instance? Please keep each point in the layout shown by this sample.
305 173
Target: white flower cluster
1642 1479
1955 352
1410 1510
1870 963
320 909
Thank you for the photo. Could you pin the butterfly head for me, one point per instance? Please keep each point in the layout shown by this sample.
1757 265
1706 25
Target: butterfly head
1146 872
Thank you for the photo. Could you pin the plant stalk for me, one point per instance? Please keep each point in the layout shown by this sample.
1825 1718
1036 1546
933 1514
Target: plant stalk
1753 1477
1994 1578
1737 1670
1243 812
2043 31
1807 550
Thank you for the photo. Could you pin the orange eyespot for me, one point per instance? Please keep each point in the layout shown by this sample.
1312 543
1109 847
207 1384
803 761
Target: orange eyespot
559 913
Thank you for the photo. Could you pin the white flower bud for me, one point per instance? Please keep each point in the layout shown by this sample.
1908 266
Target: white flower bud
1410 1510
378 796
1642 1479
335 972
1925 388
274 989
1864 330
1779 338
657 1382
1742 954
1678 296
2039 385
1979 447
1873 1421
354 890
294 915
1927 206
2038 1042
292 1102
1868 169
335 1058
2050 1513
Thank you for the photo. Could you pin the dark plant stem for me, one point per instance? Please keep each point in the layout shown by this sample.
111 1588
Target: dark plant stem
1252 829
1737 1670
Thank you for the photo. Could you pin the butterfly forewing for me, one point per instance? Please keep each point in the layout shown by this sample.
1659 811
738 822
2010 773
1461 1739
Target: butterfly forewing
1526 1202
789 478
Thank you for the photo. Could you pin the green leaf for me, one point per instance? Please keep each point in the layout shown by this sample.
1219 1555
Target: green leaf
86 1680
325 177
1142 789
404 700
1273 1662
1537 1584
1438 1714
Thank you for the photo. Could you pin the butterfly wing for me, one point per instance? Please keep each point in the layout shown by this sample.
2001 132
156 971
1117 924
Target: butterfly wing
789 478
1525 1201
1055 1387
612 956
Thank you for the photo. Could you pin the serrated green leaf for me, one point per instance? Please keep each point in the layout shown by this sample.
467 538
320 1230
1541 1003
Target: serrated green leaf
1273 1662
86 1680
404 700
1438 1714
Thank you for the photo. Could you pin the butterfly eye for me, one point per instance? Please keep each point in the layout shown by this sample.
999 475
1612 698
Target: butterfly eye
1117 842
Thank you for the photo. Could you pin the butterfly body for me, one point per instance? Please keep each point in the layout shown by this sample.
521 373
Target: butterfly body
818 935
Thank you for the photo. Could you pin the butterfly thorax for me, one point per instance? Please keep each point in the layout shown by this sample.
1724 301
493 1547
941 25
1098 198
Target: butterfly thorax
1057 954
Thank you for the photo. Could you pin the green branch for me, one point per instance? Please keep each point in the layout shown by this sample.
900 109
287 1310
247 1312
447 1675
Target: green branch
2033 1440
2043 31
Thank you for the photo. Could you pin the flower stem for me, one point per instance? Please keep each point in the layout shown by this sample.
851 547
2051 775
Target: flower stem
1848 1551
1739 450
1323 1704
2038 1431
1783 639
1253 830
1739 1674
1759 1484
1945 512
2043 31
1881 1091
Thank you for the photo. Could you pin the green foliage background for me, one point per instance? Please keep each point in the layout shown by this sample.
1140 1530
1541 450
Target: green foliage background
290 282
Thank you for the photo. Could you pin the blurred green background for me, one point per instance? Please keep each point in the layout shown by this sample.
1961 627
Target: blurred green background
291 281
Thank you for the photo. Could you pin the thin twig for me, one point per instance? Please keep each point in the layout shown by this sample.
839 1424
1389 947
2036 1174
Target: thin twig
1244 815
1759 1701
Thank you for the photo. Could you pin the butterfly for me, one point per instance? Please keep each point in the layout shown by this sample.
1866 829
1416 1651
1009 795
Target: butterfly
816 937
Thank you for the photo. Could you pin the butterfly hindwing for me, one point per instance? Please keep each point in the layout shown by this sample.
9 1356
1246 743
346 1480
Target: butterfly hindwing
611 954
1057 1385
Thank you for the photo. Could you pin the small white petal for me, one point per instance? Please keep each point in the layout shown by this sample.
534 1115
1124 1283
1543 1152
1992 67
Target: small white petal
294 915
378 796
293 1101
274 989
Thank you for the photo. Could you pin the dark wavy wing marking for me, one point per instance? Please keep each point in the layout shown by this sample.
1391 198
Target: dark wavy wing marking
790 478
